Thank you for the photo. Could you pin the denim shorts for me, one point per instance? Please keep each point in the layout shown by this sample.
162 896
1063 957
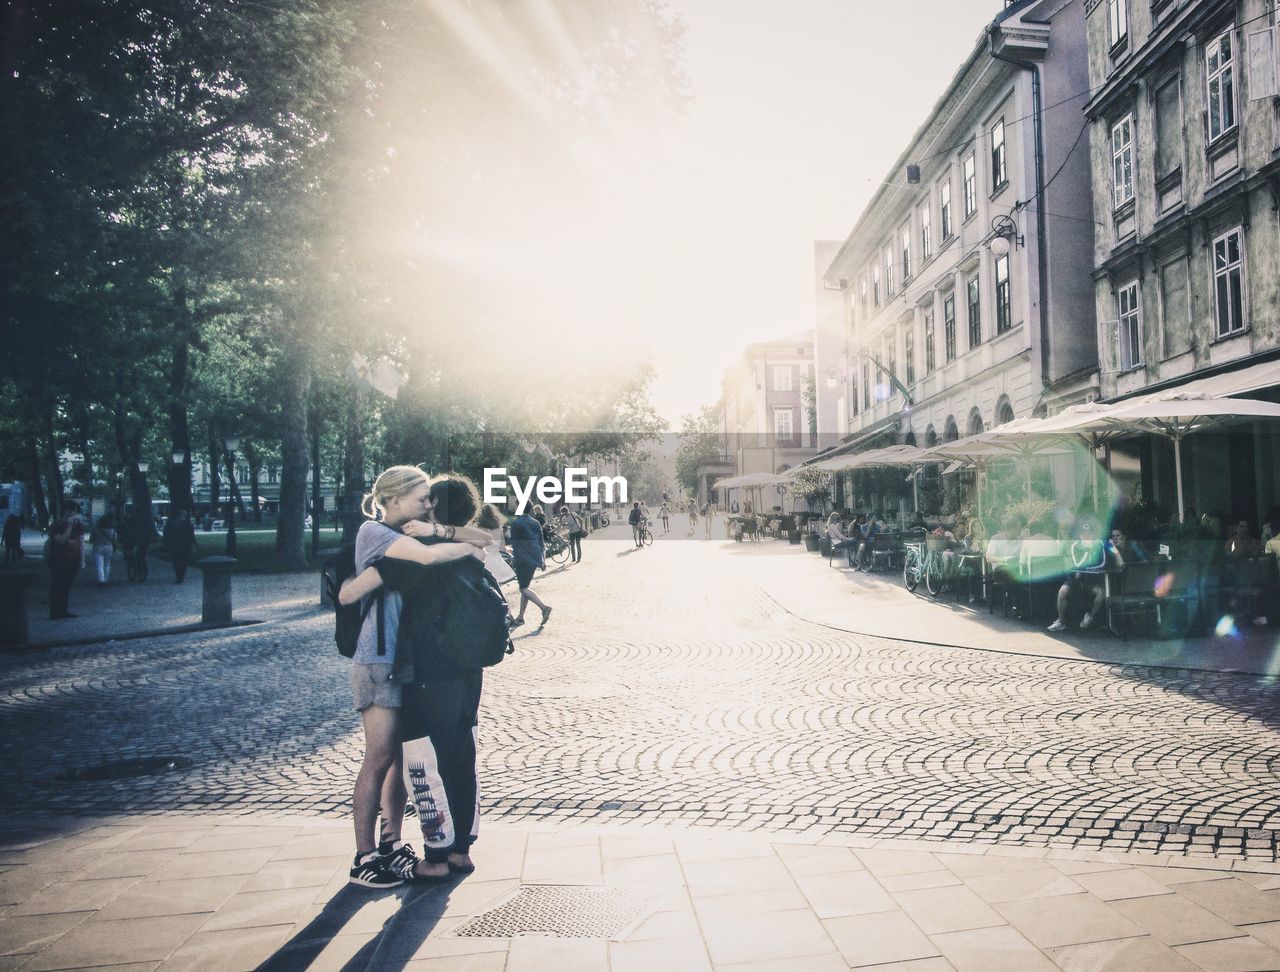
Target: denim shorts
372 685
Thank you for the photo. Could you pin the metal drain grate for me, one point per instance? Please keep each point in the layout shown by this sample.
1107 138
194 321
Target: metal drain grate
560 911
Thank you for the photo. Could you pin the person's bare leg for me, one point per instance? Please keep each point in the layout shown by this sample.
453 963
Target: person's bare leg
394 795
1064 592
1098 595
528 595
381 751
524 602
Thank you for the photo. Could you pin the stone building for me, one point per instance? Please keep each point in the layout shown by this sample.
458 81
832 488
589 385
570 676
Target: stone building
967 294
1185 143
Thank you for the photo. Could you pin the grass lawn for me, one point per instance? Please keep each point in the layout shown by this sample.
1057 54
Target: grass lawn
256 549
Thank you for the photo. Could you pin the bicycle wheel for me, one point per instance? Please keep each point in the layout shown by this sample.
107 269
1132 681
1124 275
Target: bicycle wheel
604 520
558 553
933 579
646 537
911 571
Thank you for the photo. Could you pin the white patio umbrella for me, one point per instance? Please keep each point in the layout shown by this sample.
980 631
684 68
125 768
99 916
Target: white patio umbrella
1174 416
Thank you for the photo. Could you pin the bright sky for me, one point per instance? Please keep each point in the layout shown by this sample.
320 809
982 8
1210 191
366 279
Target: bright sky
799 110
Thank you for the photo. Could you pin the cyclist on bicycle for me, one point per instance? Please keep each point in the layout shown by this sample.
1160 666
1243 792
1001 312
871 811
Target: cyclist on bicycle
638 521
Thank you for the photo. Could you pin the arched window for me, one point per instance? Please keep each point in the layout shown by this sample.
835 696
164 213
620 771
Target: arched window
1004 410
781 469
910 438
930 437
975 422
952 431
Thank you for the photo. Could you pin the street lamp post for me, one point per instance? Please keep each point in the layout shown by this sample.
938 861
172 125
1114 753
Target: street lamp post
232 443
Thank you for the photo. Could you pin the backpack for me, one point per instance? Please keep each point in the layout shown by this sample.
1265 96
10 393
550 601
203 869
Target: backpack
349 618
474 631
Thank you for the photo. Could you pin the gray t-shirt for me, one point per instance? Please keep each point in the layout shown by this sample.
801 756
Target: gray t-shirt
372 542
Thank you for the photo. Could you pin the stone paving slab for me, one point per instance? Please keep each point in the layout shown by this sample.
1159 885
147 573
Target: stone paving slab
802 904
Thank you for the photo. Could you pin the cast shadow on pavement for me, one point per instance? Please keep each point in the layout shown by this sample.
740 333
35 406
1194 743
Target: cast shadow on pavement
395 943
628 552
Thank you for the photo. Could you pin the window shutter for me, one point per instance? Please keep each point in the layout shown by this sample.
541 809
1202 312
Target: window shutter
1263 76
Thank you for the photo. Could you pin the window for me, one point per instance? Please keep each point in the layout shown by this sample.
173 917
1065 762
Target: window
909 353
863 288
891 361
1129 332
930 354
1221 80
970 185
975 314
1169 128
1117 22
866 384
782 425
949 326
944 208
1004 299
906 254
1122 161
926 237
853 392
999 171
1228 281
782 378
875 276
888 271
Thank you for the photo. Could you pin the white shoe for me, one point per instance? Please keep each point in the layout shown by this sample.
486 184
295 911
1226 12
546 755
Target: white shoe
1086 621
1057 626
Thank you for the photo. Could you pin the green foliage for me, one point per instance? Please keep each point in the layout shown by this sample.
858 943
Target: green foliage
813 486
699 444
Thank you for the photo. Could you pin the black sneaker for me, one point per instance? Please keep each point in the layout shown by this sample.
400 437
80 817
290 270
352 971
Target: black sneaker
401 859
373 871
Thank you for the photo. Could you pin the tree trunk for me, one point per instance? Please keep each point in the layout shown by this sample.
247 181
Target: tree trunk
53 468
215 479
353 467
255 475
180 429
233 485
294 456
37 486
138 482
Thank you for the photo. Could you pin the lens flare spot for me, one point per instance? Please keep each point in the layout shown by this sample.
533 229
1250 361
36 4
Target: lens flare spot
1164 584
1226 627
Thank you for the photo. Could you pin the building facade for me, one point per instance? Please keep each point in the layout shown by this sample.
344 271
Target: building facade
1184 129
955 322
767 413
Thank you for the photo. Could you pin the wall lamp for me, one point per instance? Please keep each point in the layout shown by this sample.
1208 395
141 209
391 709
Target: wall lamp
1004 235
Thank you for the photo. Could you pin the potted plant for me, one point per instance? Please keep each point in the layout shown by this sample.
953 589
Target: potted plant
814 487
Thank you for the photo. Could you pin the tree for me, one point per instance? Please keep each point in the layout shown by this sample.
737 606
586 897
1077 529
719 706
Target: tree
699 444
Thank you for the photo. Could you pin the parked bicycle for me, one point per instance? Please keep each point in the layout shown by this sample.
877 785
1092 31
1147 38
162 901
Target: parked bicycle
924 561
557 545
646 535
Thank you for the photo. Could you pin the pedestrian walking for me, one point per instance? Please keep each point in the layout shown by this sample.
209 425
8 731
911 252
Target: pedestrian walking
383 860
136 537
637 519
492 521
13 539
65 553
693 518
529 553
180 541
102 543
576 528
708 516
664 514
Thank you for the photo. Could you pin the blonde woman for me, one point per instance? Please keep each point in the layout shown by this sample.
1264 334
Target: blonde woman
399 498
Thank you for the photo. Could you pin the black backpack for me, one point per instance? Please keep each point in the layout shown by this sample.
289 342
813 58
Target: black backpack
474 631
349 618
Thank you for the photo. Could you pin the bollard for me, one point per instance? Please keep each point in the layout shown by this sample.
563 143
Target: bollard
216 606
13 607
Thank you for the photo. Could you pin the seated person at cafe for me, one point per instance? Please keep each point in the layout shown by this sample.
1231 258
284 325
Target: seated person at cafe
1272 533
1122 550
1242 543
839 539
870 528
1038 544
1005 543
1088 561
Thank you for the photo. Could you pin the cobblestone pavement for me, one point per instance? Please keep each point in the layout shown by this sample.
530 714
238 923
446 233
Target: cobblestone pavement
668 686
